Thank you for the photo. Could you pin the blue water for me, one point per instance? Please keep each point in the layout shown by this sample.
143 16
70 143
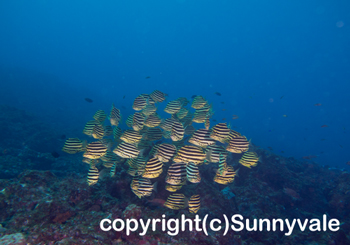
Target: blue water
267 59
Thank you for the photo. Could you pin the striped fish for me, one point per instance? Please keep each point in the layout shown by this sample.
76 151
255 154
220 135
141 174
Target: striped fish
108 130
194 204
126 150
158 96
131 136
165 152
199 116
129 121
95 150
201 137
184 101
154 134
136 166
187 120
92 176
173 107
144 144
233 134
89 127
115 116
140 102
98 131
238 144
110 157
207 122
117 132
213 153
193 173
153 168
73 145
92 162
148 99
249 159
176 173
149 110
173 188
138 121
144 187
182 113
100 116
166 134
168 123
176 201
198 102
113 169
190 153
153 120
177 131
220 132
227 176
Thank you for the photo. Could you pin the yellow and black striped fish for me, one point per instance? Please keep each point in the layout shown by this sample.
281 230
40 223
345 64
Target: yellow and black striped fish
113 169
238 144
249 159
117 132
194 204
226 177
168 123
153 121
129 121
153 168
153 134
184 101
126 150
158 96
233 134
138 121
148 98
149 109
100 116
220 132
199 116
73 145
92 176
176 201
89 161
213 153
115 116
176 173
131 136
190 153
89 127
177 131
182 113
139 103
165 152
136 166
98 131
95 150
193 175
108 130
143 187
198 102
110 157
187 120
201 137
173 107
173 188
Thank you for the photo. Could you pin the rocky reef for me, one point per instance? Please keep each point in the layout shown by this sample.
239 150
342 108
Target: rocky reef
46 200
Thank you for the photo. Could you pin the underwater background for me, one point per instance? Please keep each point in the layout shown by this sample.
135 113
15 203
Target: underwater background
277 71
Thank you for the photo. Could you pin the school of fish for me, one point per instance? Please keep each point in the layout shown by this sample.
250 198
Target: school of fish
180 156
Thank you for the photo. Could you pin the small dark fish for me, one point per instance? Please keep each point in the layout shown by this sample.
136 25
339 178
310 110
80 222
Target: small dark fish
348 163
223 109
282 151
124 97
234 117
214 120
323 139
341 146
285 116
193 96
222 102
55 154
224 119
63 137
123 107
324 126
88 100
317 104
217 93
148 77
281 97
270 148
